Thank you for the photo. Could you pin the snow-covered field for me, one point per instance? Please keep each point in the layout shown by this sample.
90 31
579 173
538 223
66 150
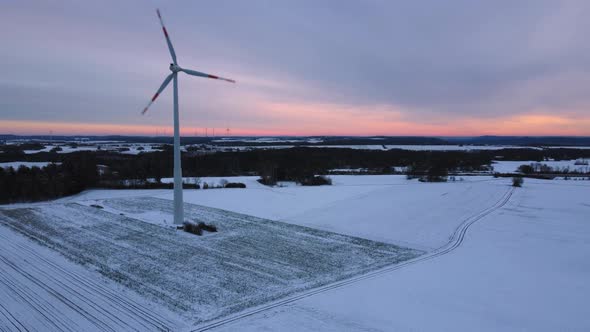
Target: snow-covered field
505 166
388 147
497 258
391 208
17 164
524 267
64 148
133 148
268 140
136 148
248 262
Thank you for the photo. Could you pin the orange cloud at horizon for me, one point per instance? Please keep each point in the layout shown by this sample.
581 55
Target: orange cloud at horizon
387 120
320 119
17 127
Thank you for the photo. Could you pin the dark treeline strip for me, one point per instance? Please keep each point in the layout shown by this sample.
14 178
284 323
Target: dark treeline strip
343 156
87 169
75 174
289 163
524 140
299 163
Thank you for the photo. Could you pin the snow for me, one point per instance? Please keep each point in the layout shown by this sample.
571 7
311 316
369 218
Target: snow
246 148
567 147
66 148
398 169
348 170
29 164
523 267
249 261
267 140
458 147
42 291
389 147
47 148
493 261
69 149
113 146
506 166
391 208
139 148
216 180
150 147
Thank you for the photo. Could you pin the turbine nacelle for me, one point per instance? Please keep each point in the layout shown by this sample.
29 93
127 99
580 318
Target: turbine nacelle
175 68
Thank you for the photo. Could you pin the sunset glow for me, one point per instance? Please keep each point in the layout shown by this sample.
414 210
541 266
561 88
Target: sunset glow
82 69
327 123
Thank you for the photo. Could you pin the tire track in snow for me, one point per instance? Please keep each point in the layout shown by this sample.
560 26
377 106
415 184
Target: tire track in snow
28 297
55 293
455 241
102 307
8 317
138 310
85 283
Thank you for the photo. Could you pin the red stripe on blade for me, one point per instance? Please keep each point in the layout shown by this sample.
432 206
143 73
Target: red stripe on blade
213 76
155 96
165 32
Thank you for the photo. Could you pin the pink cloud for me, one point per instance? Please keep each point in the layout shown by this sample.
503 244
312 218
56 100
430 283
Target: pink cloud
332 119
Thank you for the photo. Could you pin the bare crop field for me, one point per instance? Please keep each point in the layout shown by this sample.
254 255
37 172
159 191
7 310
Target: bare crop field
248 262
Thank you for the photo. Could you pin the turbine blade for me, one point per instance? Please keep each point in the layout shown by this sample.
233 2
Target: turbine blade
198 73
162 87
170 48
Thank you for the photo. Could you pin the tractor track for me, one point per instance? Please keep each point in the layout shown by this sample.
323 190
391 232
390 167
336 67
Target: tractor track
8 317
455 241
103 307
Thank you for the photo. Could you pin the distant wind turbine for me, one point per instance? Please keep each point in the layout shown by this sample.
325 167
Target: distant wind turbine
175 68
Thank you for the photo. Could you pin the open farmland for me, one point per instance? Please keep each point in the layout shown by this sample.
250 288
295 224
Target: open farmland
248 262
524 267
486 245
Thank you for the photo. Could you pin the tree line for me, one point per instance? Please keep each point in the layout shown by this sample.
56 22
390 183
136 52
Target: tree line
87 169
75 174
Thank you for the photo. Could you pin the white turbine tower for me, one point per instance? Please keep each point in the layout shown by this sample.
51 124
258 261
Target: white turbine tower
175 69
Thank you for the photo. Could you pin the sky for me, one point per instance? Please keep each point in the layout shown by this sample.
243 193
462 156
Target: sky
423 68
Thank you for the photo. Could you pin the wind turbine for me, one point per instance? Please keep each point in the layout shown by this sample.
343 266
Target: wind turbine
175 69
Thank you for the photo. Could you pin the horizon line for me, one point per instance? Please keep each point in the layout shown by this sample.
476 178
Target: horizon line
287 136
